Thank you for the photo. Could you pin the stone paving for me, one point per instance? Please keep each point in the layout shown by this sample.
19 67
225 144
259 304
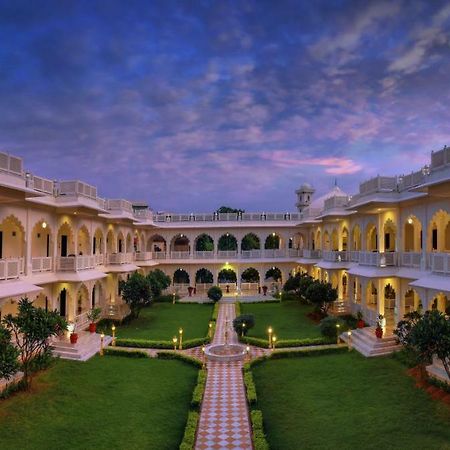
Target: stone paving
224 422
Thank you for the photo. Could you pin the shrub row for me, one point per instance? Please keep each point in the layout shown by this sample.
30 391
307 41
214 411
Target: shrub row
250 388
258 435
439 384
257 342
113 351
238 309
167 298
199 390
215 312
190 430
175 355
147 343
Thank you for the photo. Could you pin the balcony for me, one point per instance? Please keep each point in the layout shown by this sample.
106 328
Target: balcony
74 263
143 256
204 255
440 263
312 254
221 254
99 259
180 255
11 268
377 259
410 259
335 256
227 217
41 264
119 258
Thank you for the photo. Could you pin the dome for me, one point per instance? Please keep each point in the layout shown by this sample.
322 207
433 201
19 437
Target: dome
306 187
335 192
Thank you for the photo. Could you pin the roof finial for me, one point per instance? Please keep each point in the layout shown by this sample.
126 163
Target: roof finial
335 181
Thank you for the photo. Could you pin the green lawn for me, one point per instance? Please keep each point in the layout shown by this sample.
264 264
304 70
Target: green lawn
161 321
347 402
105 403
288 319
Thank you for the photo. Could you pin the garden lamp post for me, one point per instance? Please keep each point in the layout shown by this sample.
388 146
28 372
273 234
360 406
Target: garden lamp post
113 329
270 331
174 340
102 338
210 330
243 329
173 298
349 340
204 357
337 333
180 331
274 340
247 349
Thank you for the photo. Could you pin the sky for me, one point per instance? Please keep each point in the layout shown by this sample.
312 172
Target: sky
191 105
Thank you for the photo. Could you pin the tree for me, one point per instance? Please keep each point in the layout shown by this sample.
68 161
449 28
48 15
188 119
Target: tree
427 335
227 209
9 364
238 323
32 327
215 293
204 243
158 281
203 276
298 284
321 295
137 293
250 275
250 242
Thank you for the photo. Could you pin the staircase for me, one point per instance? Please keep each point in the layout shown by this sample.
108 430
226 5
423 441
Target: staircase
436 370
365 341
87 346
340 308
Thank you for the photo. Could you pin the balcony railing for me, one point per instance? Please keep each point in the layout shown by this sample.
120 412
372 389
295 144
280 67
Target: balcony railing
180 255
311 254
74 263
227 254
99 259
41 264
227 217
159 255
377 259
120 258
11 268
335 256
440 263
143 256
411 259
204 255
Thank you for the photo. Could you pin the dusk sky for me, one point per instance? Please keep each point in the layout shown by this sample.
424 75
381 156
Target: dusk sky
190 105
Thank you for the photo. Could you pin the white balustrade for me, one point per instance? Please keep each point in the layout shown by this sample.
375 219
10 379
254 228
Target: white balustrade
75 263
41 264
120 258
11 268
227 254
180 255
143 256
312 254
378 259
410 259
335 256
440 263
248 254
99 259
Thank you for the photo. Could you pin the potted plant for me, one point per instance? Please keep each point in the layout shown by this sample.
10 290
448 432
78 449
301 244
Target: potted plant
73 335
360 323
190 290
264 288
381 321
93 315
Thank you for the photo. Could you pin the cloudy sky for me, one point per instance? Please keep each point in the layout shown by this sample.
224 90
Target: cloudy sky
194 104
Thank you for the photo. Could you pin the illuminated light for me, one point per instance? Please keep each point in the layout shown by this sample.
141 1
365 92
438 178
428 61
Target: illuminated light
44 224
75 213
273 234
410 221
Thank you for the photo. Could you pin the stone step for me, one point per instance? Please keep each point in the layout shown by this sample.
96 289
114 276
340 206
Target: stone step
436 370
87 346
364 341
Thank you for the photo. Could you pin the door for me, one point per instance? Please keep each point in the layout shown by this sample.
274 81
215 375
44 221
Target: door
94 245
63 245
62 303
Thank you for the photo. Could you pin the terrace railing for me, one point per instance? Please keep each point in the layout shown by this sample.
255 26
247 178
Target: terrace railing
11 268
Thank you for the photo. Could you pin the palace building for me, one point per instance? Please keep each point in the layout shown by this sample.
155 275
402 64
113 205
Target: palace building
386 248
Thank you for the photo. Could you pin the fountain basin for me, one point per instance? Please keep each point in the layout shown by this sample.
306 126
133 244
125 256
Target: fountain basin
225 352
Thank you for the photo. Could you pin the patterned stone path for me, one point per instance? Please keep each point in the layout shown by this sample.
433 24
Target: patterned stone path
224 422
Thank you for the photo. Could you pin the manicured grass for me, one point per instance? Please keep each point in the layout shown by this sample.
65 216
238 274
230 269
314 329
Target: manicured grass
347 401
288 319
161 321
110 402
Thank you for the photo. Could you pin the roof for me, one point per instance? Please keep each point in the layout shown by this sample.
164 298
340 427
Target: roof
16 288
319 202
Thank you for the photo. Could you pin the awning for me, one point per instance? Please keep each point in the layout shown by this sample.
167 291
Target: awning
437 282
16 288
307 261
329 265
82 275
373 272
120 268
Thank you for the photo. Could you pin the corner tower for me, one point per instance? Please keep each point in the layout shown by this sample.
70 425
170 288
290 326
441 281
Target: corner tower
304 196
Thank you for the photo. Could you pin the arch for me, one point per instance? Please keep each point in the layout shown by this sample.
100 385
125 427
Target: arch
120 243
371 238
441 303
204 243
298 241
84 241
412 235
334 240
227 242
111 242
326 241
318 240
227 275
250 242
389 230
313 241
344 239
250 275
439 232
372 295
97 294
180 243
83 303
180 276
272 242
41 240
356 238
129 243
273 273
412 301
12 235
97 242
66 242
344 283
156 243
204 276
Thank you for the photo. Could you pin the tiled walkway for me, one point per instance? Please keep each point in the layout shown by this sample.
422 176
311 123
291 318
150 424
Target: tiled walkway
224 422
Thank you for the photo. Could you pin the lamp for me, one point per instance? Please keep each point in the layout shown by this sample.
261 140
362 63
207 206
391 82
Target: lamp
174 340
180 331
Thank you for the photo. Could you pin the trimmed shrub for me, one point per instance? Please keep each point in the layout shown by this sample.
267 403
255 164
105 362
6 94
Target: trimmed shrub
250 389
237 309
263 343
258 435
175 355
329 326
190 430
215 313
215 293
168 345
238 323
199 390
112 351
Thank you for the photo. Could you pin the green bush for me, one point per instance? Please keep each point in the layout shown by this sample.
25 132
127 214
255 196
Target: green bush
237 309
112 351
168 345
350 320
250 388
190 430
166 298
215 293
215 312
179 356
259 437
199 390
263 343
243 323
329 326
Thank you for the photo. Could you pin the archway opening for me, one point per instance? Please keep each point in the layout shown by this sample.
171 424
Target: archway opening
84 241
156 244
180 276
204 243
41 240
227 242
181 243
250 242
66 242
273 242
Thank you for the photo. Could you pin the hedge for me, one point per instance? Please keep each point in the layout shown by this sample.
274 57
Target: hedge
237 309
175 355
250 389
112 351
167 345
215 312
190 430
258 435
199 390
264 343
